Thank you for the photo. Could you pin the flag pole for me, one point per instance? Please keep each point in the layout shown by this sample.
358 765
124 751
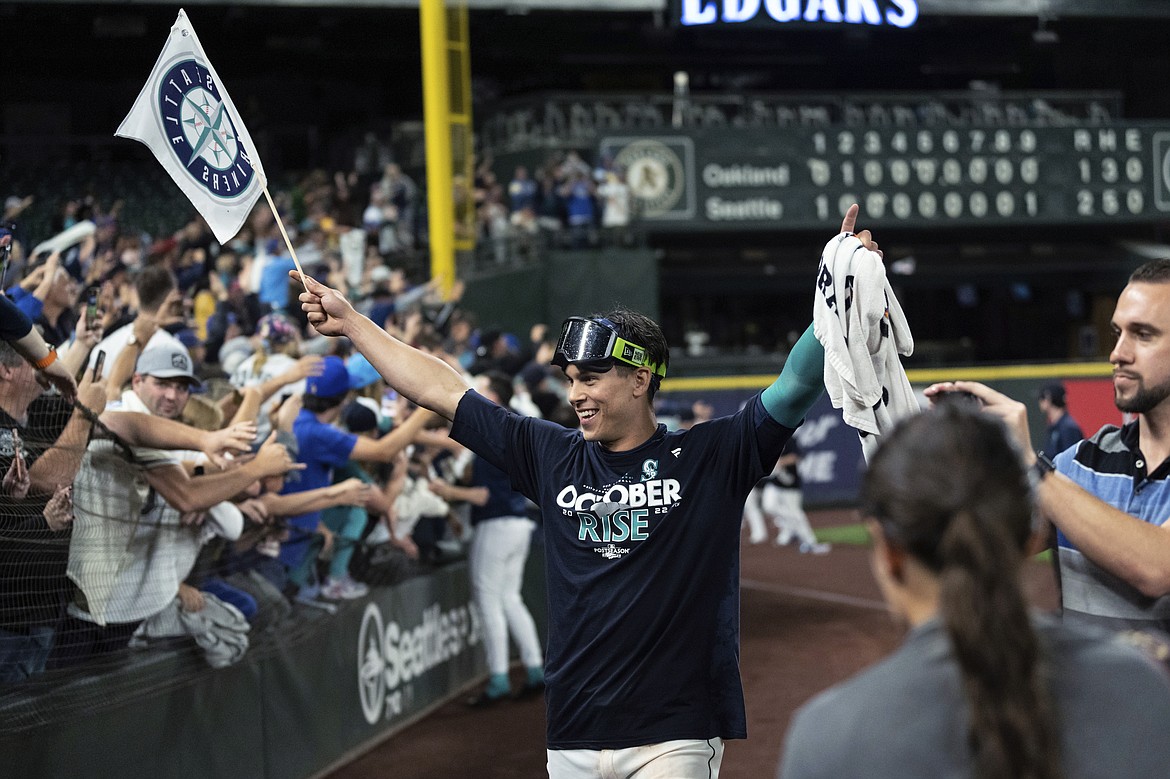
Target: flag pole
287 242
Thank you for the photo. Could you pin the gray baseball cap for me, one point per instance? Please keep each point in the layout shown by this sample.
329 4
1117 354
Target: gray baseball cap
167 362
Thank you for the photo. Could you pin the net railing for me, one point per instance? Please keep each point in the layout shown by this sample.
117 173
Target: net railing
108 593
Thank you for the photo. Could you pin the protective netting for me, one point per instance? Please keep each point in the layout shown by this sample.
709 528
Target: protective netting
100 577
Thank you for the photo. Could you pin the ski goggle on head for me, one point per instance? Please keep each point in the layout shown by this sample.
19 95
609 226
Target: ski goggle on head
596 342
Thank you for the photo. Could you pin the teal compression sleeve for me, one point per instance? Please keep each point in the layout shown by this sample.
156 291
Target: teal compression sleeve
800 383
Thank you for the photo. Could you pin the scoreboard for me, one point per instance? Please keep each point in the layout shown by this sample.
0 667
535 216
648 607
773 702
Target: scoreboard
967 176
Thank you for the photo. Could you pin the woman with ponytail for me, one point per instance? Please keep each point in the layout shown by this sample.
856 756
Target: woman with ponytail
980 687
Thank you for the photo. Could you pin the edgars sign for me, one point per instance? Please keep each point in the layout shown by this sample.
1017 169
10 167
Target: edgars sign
897 13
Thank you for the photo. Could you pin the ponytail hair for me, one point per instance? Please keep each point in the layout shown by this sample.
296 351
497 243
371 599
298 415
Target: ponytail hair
949 488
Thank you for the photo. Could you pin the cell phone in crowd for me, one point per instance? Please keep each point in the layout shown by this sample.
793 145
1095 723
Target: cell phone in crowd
390 404
17 444
964 399
5 251
91 308
98 364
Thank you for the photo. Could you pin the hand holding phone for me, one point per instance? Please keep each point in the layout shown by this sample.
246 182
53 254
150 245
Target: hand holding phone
16 481
98 364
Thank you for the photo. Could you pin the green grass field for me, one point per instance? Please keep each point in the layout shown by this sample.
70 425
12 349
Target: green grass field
857 535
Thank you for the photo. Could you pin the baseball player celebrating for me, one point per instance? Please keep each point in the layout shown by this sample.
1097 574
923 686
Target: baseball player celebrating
641 531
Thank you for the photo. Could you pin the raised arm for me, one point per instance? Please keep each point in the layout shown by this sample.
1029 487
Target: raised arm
1125 546
188 494
351 492
309 365
253 398
17 329
86 335
802 379
160 433
476 496
119 374
58 465
424 379
390 445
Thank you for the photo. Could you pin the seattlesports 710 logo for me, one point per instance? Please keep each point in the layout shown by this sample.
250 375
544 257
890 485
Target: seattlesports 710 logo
390 656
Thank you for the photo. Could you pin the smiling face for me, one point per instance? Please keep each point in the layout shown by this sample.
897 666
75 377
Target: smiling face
164 397
613 406
1141 356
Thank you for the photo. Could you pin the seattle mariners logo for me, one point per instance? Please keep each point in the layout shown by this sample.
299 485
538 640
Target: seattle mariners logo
202 135
649 470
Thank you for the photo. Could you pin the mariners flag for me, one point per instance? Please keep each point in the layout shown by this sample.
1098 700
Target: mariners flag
185 117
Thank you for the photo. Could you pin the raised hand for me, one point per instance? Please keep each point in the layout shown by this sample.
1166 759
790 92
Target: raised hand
91 394
309 365
16 480
327 309
59 509
229 440
274 459
171 312
353 492
87 332
849 223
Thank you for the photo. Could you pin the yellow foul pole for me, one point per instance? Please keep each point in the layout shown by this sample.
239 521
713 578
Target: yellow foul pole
437 118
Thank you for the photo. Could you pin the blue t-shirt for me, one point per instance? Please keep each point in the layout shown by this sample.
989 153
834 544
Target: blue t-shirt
1112 467
1062 435
642 553
274 282
321 447
522 193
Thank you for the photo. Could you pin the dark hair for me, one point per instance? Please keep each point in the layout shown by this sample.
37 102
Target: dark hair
645 332
153 284
1152 272
949 488
318 405
501 386
1054 394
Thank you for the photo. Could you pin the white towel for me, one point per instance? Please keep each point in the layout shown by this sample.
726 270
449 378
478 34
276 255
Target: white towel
858 320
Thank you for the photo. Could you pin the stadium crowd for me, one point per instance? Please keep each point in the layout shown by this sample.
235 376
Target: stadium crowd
222 470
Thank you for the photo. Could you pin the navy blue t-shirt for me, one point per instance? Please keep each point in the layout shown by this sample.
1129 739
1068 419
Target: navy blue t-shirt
503 501
642 559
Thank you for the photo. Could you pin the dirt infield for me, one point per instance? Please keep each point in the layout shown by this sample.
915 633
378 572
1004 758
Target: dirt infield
808 622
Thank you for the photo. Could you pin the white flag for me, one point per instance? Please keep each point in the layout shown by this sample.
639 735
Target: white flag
185 117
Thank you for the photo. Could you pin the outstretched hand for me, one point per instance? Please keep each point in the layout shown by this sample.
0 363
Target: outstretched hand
850 222
275 460
235 439
327 309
